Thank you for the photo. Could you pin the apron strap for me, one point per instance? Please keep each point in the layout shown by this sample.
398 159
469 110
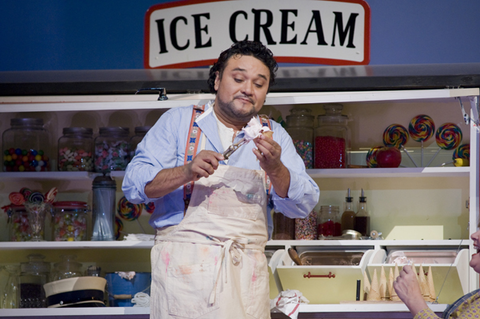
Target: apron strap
191 149
266 122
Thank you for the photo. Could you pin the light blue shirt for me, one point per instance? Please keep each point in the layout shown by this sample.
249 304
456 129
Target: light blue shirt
164 147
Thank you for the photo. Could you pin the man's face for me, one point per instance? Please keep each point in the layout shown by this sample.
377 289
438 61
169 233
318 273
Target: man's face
242 89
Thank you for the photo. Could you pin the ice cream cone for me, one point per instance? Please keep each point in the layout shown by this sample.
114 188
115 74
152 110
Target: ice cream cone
394 295
366 285
423 284
374 294
431 287
390 284
383 284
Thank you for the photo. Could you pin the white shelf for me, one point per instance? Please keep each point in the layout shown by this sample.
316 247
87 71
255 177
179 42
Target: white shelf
76 245
13 104
315 173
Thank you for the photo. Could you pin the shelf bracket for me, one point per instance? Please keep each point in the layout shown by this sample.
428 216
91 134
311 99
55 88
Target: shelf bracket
162 93
474 110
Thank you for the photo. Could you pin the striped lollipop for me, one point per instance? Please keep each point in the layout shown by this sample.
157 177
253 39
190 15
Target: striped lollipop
396 135
129 211
372 157
463 151
421 128
448 137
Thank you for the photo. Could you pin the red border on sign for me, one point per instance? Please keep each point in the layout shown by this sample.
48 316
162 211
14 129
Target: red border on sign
279 59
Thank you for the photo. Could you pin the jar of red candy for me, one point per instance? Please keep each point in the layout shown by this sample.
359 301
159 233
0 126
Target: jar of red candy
306 228
329 222
69 221
26 146
331 138
300 128
75 149
140 132
19 229
112 149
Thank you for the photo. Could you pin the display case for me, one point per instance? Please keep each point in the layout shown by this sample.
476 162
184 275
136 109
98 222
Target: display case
435 205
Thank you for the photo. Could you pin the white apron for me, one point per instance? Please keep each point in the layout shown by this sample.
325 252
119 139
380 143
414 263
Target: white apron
212 265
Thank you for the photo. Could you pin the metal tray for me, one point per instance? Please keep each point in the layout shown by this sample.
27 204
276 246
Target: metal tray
331 258
422 256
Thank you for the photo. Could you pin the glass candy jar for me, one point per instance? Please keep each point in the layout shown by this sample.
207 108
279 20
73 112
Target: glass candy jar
34 274
75 149
67 268
19 229
283 227
306 228
331 138
11 294
300 128
328 222
69 221
140 132
26 146
112 149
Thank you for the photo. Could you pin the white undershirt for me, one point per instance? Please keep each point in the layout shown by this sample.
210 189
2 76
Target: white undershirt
225 133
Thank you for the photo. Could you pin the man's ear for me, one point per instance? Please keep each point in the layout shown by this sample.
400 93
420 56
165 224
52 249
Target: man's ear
217 80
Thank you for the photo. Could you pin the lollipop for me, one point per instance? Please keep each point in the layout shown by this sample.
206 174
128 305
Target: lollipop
448 137
372 157
118 227
396 135
129 211
461 156
150 207
421 128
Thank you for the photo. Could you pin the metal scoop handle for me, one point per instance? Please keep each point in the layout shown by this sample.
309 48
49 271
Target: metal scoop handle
232 148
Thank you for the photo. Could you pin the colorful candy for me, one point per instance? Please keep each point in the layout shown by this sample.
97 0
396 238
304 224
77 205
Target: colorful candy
51 195
73 159
372 157
70 227
305 150
16 198
127 210
111 155
395 135
421 128
448 136
463 151
306 228
23 160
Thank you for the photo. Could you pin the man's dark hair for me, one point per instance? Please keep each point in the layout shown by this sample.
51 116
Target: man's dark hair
249 48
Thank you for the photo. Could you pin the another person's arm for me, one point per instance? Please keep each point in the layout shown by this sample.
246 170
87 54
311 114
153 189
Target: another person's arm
408 290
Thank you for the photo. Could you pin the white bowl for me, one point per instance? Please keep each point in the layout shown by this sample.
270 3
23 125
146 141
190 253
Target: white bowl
73 284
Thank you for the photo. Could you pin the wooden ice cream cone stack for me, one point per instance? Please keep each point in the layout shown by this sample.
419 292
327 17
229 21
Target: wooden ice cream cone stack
390 284
423 284
366 285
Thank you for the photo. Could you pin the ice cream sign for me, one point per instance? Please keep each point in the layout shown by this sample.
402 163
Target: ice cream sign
184 34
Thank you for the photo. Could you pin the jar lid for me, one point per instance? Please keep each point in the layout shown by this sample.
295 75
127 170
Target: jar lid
78 130
142 129
333 114
35 264
114 129
26 122
71 204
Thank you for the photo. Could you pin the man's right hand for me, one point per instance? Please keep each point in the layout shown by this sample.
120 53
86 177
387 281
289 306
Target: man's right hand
203 165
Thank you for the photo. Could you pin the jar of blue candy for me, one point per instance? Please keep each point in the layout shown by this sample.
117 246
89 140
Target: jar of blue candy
112 149
26 146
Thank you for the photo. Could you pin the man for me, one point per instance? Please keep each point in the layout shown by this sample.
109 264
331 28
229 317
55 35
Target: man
211 216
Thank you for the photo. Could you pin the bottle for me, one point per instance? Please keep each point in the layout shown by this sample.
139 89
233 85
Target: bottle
348 216
300 128
103 212
362 219
331 138
26 146
328 223
75 149
112 149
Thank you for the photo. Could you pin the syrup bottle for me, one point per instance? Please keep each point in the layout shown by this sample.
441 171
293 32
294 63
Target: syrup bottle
348 216
362 219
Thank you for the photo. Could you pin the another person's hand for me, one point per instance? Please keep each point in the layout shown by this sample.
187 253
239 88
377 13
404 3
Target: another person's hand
408 290
203 165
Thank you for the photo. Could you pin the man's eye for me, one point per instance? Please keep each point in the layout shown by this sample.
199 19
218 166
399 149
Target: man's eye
238 80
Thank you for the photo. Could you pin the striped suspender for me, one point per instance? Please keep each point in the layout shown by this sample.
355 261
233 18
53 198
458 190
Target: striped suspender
191 150
266 122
